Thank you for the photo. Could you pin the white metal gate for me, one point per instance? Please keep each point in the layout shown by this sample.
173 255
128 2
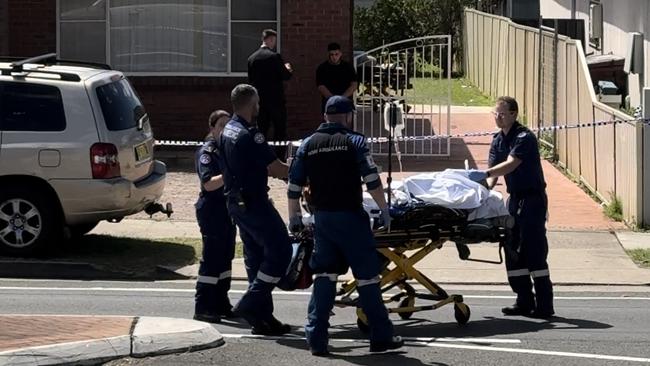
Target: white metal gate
416 73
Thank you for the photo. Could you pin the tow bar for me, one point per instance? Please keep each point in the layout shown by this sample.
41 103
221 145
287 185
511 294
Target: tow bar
156 207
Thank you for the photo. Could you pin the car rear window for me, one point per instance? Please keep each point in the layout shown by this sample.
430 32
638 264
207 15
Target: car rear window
120 105
31 107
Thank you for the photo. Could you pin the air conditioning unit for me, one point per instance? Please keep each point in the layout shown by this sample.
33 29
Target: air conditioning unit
596 20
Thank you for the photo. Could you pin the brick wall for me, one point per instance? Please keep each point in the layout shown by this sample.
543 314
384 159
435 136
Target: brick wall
307 28
32 27
4 28
179 106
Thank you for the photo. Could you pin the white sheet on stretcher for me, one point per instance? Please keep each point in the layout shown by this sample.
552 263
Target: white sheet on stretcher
450 188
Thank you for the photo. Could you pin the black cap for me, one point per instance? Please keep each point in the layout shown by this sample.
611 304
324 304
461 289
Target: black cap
338 104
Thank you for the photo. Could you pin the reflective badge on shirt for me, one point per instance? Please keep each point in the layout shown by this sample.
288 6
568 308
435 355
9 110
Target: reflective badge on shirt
371 162
205 159
522 134
259 138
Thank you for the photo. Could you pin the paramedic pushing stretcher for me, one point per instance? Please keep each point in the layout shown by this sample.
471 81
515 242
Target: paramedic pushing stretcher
332 162
246 160
514 154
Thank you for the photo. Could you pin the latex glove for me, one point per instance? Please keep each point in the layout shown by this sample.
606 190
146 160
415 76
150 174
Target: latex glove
477 175
385 218
295 224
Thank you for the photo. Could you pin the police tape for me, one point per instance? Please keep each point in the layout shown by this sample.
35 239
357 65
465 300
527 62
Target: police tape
383 139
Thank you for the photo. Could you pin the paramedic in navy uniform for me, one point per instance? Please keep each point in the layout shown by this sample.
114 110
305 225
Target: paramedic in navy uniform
514 154
246 160
217 230
333 161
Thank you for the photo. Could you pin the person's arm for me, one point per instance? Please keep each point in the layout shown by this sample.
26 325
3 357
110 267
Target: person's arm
352 75
326 93
377 194
504 168
523 148
285 68
320 82
297 181
351 89
492 161
214 183
278 169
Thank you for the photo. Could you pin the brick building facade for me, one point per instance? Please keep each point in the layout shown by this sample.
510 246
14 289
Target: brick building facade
179 105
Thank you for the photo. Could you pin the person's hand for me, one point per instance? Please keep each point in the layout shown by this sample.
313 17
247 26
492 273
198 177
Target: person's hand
385 218
477 175
295 224
288 67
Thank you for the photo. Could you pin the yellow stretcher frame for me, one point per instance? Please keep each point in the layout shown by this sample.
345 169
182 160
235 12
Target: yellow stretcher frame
393 247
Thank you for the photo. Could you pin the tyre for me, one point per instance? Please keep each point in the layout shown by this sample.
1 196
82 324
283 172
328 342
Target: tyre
29 221
77 231
461 313
407 302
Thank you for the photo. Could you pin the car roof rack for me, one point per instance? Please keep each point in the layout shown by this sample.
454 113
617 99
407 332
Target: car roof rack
47 60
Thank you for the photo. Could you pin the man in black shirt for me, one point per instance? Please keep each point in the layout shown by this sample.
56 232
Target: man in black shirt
335 76
267 72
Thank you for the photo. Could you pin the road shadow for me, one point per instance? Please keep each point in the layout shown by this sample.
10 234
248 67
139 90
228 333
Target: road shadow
483 328
104 257
422 328
338 352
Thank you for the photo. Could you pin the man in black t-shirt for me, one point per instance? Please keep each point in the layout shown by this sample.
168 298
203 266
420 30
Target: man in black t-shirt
267 72
335 76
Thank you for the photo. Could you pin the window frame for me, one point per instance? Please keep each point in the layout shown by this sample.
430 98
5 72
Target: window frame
596 43
227 73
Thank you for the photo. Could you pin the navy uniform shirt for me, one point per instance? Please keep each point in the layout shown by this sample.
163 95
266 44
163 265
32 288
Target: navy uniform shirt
244 158
207 166
521 143
333 161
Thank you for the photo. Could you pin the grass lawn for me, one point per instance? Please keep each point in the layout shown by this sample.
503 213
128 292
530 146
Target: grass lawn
640 257
137 257
463 93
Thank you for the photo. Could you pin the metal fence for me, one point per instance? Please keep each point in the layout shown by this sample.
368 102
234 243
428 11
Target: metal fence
416 74
548 75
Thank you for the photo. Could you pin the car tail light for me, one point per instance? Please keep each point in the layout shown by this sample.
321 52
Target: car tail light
104 161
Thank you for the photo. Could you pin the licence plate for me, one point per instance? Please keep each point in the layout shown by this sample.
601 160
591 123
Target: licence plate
142 152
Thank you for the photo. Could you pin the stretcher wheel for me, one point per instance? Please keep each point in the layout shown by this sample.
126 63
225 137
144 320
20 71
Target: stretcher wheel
363 327
407 302
461 313
463 251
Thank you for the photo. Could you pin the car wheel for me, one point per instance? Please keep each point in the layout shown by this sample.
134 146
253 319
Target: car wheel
77 231
29 221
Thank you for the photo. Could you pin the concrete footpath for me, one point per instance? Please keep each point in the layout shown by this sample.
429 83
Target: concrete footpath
575 257
55 340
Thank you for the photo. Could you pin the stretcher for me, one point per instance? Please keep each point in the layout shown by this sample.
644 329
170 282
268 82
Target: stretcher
416 232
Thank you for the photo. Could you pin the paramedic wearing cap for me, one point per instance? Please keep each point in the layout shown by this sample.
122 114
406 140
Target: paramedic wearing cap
217 230
246 161
514 153
333 161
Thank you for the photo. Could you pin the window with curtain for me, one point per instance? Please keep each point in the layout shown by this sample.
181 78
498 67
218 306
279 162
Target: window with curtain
165 36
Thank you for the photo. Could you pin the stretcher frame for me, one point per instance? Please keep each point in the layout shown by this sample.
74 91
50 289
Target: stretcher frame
404 249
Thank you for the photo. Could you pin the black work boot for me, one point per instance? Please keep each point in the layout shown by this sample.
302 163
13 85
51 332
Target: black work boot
516 309
394 343
208 318
544 298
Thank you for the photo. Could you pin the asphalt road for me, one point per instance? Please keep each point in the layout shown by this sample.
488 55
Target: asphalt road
593 327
